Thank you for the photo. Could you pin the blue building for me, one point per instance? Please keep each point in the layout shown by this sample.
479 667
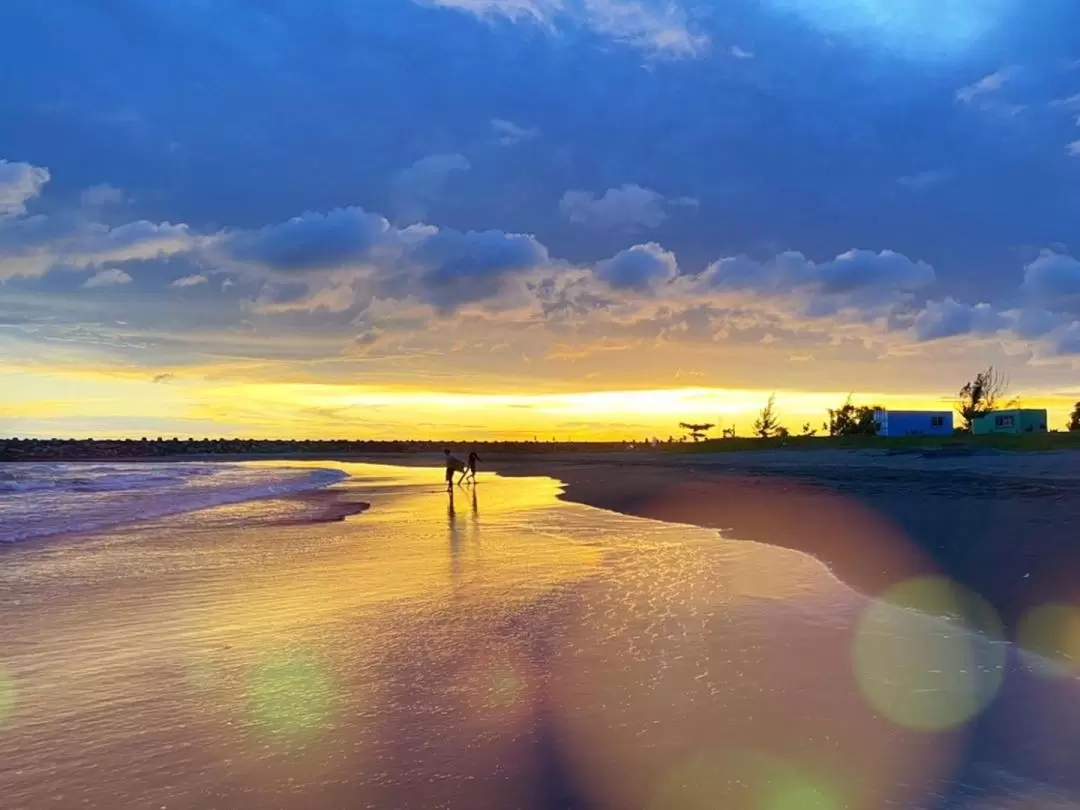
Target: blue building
914 423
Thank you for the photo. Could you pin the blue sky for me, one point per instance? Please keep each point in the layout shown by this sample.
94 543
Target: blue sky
540 193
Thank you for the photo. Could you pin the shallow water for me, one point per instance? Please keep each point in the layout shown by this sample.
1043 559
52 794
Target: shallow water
498 649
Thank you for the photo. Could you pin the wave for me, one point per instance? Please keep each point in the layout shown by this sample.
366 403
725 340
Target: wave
41 500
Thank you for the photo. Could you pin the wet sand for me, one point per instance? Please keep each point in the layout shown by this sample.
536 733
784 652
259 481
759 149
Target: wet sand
501 649
1005 525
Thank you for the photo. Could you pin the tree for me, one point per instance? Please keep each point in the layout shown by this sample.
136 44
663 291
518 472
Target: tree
767 424
1074 417
981 395
851 420
808 431
697 431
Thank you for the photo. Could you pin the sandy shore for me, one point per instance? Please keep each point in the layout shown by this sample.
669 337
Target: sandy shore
1004 525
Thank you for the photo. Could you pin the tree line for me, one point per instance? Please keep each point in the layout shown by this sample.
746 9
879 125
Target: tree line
987 391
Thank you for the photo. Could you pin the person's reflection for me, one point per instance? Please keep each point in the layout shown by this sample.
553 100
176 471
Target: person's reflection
455 538
475 525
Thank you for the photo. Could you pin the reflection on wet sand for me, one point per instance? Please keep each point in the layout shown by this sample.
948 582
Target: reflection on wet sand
548 656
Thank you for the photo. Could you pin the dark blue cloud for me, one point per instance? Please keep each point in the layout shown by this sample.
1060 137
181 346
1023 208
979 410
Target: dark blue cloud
843 129
310 242
639 267
457 267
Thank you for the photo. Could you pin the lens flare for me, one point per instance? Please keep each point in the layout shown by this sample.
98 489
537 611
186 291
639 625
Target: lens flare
1052 632
7 697
929 654
742 781
291 695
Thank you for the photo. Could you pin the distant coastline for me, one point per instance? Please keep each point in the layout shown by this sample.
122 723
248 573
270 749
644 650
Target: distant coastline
59 449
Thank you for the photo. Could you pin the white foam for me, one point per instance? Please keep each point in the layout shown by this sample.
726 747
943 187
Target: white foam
43 499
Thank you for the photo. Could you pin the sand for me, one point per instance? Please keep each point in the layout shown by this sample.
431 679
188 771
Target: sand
502 650
1003 524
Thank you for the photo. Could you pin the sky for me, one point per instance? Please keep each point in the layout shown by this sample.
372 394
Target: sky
475 219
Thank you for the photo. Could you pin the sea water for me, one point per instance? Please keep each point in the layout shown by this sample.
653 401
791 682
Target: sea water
41 499
487 647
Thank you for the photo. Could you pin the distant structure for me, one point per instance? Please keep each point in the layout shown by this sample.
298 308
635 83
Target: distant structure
913 423
1012 420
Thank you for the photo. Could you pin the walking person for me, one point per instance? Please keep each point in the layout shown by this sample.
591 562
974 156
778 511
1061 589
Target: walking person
453 465
473 458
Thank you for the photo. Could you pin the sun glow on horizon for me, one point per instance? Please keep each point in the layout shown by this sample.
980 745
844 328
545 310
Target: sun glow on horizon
45 405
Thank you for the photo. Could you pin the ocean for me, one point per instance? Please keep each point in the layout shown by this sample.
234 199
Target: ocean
194 635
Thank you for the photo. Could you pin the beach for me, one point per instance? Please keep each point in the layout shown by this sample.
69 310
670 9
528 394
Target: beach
570 633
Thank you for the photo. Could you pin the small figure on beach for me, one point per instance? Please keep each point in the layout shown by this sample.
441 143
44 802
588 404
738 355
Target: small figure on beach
473 458
453 465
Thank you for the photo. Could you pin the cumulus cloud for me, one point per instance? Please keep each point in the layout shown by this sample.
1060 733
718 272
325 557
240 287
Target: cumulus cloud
109 277
629 206
456 267
19 183
740 53
509 134
190 281
639 267
311 242
949 318
1053 281
857 279
418 187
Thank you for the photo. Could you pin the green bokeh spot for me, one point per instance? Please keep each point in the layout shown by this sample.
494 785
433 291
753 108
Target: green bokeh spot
292 695
7 697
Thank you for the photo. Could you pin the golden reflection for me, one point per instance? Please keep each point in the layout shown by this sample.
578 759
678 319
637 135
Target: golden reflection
679 654
929 655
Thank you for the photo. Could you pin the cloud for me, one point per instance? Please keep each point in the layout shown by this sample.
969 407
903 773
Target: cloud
660 29
1053 281
639 267
985 86
101 195
537 11
509 134
311 242
629 206
418 187
190 281
857 279
949 318
456 267
922 179
19 183
32 246
109 277
1073 148
163 378
739 53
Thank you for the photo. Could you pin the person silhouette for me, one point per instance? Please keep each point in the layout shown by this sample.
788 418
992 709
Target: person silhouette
453 465
473 458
